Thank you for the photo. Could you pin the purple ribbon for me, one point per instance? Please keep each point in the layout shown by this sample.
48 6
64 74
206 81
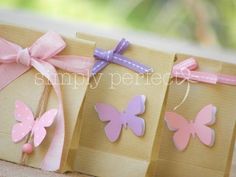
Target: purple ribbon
115 56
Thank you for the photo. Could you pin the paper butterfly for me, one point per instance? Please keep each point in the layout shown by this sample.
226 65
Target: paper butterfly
28 124
184 129
116 120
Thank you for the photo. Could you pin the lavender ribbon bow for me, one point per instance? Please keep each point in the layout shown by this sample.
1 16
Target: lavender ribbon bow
115 56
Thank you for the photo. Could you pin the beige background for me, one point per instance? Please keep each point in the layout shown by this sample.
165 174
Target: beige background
69 28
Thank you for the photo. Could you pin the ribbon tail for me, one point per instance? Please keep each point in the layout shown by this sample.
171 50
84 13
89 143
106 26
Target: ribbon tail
98 66
52 159
190 64
226 79
131 64
10 72
204 77
196 76
76 64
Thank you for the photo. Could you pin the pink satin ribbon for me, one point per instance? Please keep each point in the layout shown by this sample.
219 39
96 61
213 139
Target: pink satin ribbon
185 70
15 61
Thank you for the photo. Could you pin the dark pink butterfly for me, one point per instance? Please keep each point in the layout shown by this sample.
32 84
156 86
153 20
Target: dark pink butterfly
128 118
184 129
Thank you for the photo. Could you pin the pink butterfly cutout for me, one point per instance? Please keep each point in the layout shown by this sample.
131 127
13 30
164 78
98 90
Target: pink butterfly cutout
116 120
184 129
28 124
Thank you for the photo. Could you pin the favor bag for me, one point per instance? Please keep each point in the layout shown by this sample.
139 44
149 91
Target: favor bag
211 94
40 104
118 97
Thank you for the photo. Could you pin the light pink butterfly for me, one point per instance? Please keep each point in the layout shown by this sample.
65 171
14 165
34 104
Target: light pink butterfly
184 129
116 120
28 124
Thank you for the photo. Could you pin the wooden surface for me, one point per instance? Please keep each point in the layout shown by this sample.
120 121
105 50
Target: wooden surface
70 28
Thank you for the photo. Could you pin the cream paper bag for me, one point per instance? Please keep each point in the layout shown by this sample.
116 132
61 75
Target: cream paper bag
130 156
198 160
25 88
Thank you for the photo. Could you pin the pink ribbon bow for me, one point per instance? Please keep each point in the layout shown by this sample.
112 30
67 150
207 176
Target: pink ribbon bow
185 70
14 61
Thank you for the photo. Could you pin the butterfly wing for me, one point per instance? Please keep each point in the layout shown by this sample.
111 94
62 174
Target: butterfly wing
112 130
137 105
180 126
136 124
207 115
175 121
25 117
108 113
181 138
205 134
204 118
39 130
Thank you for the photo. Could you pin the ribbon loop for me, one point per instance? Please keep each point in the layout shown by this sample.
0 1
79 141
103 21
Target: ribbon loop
115 56
23 57
185 70
121 46
189 64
